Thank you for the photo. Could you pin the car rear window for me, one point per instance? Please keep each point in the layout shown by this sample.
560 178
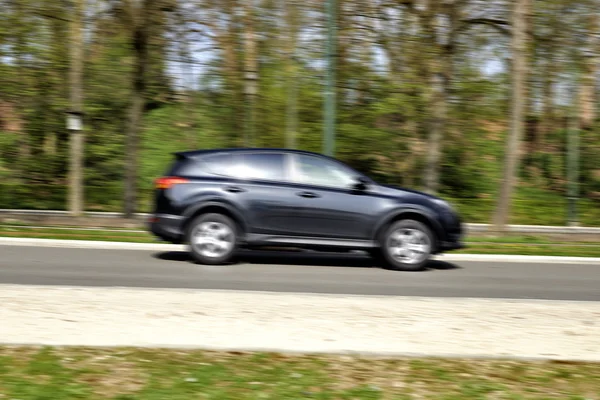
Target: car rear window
220 164
184 167
263 166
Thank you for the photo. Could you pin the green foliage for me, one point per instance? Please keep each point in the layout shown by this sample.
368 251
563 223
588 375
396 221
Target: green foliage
8 145
383 91
168 130
590 156
471 166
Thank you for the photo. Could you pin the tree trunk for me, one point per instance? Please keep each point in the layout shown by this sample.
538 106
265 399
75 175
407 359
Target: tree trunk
441 74
140 46
291 107
76 98
547 104
291 75
228 42
519 70
250 76
22 100
437 124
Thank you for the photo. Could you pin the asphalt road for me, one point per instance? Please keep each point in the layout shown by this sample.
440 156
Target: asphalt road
294 272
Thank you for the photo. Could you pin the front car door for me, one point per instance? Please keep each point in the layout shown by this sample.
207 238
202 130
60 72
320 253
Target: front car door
330 205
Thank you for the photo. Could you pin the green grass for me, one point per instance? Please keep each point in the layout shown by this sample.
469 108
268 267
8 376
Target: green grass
542 245
28 373
510 244
116 235
530 206
483 238
533 250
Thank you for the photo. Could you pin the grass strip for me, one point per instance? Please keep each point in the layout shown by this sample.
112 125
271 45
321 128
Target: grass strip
534 239
28 373
533 250
513 245
77 234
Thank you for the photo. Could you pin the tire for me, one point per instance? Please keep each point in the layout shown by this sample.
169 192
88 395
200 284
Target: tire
213 239
406 245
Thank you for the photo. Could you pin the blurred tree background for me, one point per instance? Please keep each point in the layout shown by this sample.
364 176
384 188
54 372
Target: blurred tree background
423 89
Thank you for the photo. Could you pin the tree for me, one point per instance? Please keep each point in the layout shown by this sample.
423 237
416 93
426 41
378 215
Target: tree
293 18
222 21
513 142
422 89
438 47
136 15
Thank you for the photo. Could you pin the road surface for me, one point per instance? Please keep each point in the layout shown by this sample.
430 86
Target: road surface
294 272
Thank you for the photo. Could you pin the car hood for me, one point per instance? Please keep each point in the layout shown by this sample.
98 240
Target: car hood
392 190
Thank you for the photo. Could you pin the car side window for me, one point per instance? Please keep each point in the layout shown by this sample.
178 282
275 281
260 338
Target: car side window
221 164
263 166
312 170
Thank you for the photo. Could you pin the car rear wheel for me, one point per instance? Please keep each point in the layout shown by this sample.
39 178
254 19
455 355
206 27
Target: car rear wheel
406 246
213 239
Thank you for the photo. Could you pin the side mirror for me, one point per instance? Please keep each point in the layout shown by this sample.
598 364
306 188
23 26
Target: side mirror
361 184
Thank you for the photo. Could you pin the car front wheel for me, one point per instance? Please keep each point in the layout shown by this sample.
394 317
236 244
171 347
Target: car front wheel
212 239
406 246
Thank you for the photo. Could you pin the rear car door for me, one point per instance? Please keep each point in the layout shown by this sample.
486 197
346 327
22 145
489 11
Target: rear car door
261 189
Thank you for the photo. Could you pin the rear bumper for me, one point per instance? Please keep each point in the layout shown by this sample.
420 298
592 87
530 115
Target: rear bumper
167 227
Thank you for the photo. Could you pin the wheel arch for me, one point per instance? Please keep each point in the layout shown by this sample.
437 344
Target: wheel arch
415 214
217 207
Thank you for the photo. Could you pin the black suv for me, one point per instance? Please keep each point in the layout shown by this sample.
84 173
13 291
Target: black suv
220 200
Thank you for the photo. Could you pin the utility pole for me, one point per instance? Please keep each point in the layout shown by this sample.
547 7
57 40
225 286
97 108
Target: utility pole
75 113
330 100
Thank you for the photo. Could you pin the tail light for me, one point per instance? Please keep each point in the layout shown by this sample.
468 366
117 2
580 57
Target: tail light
167 182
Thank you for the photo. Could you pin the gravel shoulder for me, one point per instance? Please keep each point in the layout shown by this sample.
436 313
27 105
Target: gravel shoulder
289 322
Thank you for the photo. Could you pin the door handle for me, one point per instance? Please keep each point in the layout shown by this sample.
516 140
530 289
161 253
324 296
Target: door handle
308 195
234 189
